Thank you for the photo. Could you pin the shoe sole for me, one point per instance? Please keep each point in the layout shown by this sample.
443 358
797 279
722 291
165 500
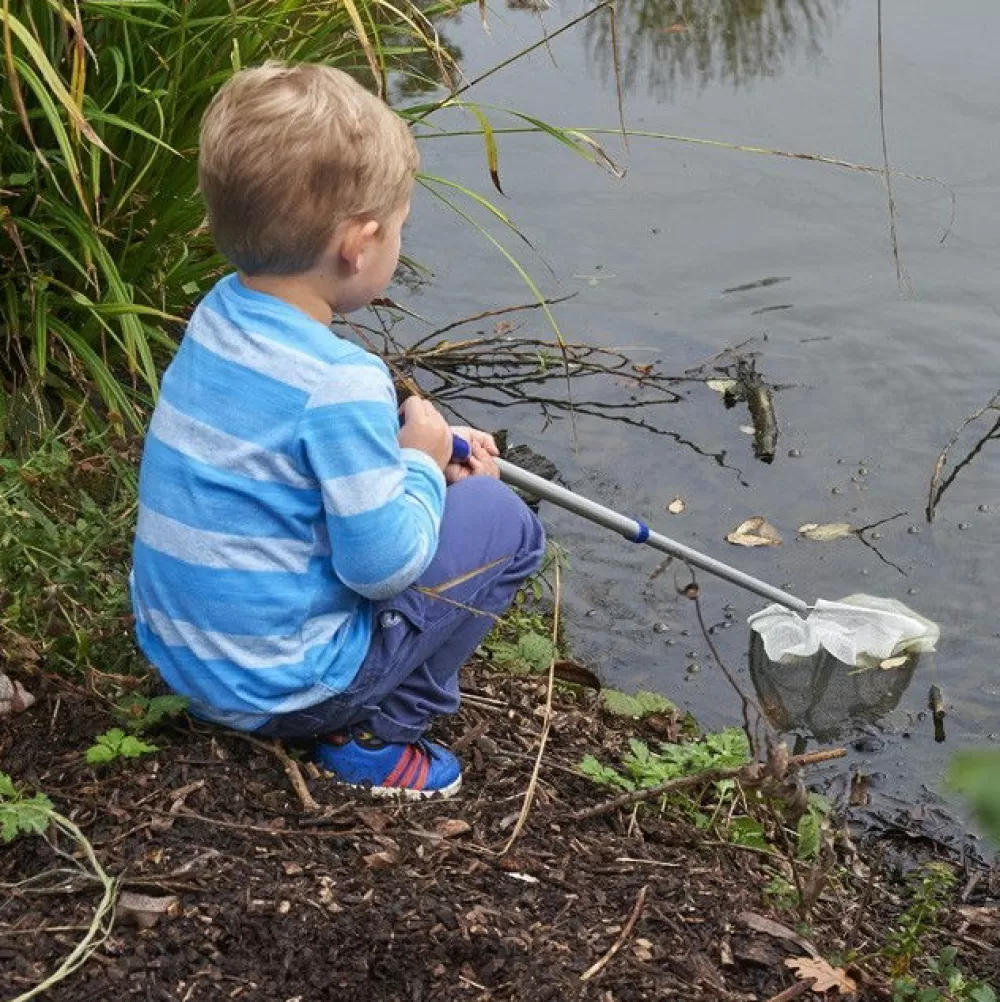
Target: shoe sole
401 792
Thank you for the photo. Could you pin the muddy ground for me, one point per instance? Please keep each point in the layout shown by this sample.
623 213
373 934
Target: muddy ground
390 902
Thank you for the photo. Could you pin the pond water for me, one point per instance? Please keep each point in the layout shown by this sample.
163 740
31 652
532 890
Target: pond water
876 376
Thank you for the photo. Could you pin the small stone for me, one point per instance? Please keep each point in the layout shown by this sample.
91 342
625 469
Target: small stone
864 571
876 535
693 669
914 530
660 628
963 526
655 229
837 490
862 471
685 633
590 613
726 625
911 591
669 642
983 508
691 654
794 453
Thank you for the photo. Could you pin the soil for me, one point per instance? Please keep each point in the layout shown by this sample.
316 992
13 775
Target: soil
387 901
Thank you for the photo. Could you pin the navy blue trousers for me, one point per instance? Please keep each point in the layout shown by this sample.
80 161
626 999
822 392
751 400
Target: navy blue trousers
490 542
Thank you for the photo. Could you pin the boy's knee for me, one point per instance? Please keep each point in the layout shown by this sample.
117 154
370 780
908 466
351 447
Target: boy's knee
512 524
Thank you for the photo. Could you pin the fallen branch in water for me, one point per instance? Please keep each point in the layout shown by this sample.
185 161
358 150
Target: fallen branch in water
937 489
752 774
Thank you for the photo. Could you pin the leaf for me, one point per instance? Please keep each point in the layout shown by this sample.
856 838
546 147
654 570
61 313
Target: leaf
8 791
720 385
827 978
639 705
896 662
809 829
492 155
756 531
451 827
828 532
983 993
677 506
132 747
99 753
537 649
973 773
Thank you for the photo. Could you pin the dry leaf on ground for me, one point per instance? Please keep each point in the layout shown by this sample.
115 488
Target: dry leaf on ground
756 531
828 532
826 977
676 506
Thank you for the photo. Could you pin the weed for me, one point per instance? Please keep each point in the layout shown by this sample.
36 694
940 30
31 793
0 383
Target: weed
782 893
21 814
638 705
931 886
644 768
66 517
141 713
945 983
138 714
116 744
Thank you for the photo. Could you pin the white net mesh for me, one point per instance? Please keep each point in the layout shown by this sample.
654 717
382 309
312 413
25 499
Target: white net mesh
855 628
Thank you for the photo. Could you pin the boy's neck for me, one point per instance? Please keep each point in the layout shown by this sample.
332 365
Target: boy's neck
296 290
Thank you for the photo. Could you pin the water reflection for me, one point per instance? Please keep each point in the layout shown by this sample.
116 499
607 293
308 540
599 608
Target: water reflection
822 696
667 42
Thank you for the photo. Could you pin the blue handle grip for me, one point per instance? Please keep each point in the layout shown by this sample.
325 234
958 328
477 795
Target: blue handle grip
460 449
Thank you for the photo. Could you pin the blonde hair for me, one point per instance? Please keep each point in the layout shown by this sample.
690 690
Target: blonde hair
289 152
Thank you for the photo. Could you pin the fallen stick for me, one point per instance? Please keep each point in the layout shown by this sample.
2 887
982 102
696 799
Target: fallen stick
794 992
749 775
599 966
935 490
292 771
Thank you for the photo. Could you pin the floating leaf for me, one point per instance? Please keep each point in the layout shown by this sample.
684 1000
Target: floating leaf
828 532
720 385
825 977
896 662
756 531
676 506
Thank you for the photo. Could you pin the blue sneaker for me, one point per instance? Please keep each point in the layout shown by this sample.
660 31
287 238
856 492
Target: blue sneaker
412 771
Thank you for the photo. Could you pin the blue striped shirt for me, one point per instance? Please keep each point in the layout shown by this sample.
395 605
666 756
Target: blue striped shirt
275 505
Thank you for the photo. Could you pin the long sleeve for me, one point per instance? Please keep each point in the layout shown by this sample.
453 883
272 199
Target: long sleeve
383 504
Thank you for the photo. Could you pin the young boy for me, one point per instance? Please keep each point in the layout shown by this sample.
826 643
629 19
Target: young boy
307 565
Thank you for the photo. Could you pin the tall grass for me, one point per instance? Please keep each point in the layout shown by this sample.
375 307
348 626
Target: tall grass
104 246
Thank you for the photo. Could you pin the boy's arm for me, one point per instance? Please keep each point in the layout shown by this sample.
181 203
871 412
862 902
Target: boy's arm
383 503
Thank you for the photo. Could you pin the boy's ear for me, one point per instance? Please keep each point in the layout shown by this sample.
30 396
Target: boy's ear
356 241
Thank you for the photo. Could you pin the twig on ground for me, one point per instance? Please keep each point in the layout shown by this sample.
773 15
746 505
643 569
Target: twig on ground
748 775
936 489
794 992
529 793
599 966
292 770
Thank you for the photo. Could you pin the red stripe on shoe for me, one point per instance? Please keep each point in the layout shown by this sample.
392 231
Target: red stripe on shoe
400 769
419 758
425 769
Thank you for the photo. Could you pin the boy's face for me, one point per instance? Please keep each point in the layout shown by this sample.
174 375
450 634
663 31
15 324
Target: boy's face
372 253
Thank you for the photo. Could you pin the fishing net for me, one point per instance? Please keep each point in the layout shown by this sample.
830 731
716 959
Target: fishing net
856 629
824 697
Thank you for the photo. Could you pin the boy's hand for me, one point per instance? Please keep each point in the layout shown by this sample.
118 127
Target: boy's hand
480 463
425 429
473 437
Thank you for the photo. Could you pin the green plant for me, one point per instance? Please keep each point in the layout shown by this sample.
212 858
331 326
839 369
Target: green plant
21 814
138 714
930 888
141 713
66 518
638 705
115 744
100 103
974 774
782 893
948 983
644 768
